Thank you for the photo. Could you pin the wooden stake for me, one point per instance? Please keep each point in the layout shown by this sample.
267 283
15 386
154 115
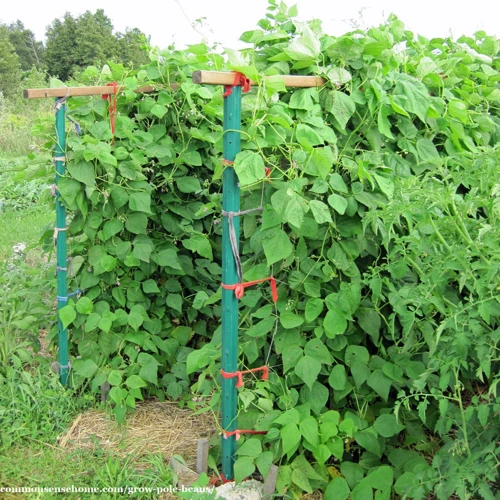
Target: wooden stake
270 482
227 78
202 456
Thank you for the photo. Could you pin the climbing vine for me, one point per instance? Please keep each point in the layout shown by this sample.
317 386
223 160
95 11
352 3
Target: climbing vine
380 200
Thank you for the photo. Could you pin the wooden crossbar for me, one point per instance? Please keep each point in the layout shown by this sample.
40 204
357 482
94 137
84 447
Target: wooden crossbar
80 91
227 78
203 77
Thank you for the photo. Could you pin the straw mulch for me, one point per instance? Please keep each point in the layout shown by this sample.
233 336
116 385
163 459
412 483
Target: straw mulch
154 427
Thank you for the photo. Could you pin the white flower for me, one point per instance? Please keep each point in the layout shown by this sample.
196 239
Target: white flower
19 248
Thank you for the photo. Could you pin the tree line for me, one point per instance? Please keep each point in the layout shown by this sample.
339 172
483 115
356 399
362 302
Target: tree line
72 43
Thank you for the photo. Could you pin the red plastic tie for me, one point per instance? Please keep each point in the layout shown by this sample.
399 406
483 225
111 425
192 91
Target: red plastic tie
112 105
239 432
224 480
239 288
239 79
268 172
227 163
239 374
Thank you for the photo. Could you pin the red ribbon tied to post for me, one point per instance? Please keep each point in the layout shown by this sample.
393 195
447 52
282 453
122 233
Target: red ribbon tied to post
239 79
112 105
239 432
239 288
239 374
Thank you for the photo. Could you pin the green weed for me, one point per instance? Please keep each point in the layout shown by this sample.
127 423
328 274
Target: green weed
15 132
26 307
33 404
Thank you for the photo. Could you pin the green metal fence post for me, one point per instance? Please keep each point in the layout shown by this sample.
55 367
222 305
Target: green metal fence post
60 234
230 203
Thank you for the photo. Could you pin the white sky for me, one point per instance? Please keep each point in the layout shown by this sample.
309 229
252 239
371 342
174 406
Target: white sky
227 19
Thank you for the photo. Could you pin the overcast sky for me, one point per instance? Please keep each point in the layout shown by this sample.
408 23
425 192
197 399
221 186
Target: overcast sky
227 19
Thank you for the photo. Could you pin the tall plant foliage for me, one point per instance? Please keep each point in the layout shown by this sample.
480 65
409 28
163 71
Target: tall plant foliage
379 223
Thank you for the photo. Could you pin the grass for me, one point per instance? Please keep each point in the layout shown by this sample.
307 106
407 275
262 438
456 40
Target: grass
44 466
23 227
35 410
17 117
15 136
23 216
33 403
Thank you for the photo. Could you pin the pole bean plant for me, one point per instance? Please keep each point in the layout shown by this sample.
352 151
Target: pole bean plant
379 223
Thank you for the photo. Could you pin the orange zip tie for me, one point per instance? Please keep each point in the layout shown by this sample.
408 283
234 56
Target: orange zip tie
239 288
239 374
239 79
239 432
227 163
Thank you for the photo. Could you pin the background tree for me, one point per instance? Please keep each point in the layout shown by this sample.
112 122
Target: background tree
61 44
95 42
9 65
129 47
75 43
29 50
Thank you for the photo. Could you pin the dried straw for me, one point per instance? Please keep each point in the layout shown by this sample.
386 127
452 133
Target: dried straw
154 427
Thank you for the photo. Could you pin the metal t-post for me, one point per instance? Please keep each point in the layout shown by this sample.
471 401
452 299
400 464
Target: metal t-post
230 203
60 233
